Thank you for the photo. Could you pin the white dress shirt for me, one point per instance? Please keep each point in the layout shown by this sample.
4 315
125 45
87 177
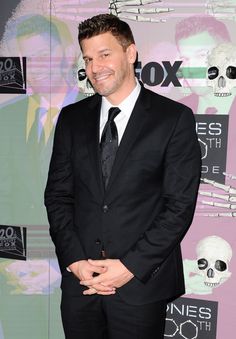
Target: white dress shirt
126 108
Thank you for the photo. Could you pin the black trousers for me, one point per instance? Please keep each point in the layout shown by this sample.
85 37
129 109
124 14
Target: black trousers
109 317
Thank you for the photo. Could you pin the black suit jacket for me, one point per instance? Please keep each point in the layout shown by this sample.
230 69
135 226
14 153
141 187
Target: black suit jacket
149 202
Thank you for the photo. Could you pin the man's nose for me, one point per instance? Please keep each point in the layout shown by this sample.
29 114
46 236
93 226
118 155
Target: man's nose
96 66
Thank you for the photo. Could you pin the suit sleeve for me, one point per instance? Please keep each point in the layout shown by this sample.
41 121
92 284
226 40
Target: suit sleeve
59 196
181 168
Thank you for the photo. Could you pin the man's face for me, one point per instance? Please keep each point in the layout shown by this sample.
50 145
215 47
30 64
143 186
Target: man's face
44 72
193 51
108 67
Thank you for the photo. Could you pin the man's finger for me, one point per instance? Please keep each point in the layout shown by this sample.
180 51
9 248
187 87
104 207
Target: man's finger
93 281
99 269
99 289
103 288
106 293
90 291
98 262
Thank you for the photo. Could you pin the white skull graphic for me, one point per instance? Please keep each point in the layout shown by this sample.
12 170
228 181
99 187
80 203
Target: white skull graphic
83 82
204 148
213 257
222 69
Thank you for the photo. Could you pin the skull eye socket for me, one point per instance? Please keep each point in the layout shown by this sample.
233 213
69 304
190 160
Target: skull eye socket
202 264
220 265
231 72
213 73
81 74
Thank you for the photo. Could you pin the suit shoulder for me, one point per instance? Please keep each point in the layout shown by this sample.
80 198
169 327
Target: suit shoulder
78 111
82 105
169 105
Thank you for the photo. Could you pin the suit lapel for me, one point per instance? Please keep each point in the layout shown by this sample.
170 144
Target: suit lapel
132 131
93 132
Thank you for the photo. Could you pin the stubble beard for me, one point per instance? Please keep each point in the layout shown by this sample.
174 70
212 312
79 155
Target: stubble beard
113 86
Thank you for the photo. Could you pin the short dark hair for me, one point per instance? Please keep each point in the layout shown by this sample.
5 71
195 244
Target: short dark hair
103 23
198 24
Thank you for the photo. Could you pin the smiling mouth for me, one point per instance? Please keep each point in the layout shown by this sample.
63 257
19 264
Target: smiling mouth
102 77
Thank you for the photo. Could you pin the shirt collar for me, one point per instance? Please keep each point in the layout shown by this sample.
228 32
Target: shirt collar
126 106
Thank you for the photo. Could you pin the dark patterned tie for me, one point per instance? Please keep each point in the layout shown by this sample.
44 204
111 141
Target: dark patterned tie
109 144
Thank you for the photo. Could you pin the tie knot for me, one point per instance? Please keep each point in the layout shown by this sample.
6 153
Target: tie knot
113 112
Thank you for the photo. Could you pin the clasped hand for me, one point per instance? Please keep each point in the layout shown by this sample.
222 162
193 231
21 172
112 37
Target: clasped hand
111 275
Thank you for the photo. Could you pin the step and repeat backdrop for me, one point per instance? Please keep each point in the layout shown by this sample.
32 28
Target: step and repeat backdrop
186 51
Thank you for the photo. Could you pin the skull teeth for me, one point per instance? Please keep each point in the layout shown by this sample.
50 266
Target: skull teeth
211 284
222 94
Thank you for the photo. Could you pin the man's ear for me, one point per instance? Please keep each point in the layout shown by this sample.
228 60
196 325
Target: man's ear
131 53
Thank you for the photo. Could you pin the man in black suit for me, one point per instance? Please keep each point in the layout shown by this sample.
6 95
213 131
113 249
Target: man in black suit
120 195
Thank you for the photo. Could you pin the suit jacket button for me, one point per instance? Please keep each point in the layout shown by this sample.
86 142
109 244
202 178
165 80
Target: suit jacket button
155 271
98 242
105 208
